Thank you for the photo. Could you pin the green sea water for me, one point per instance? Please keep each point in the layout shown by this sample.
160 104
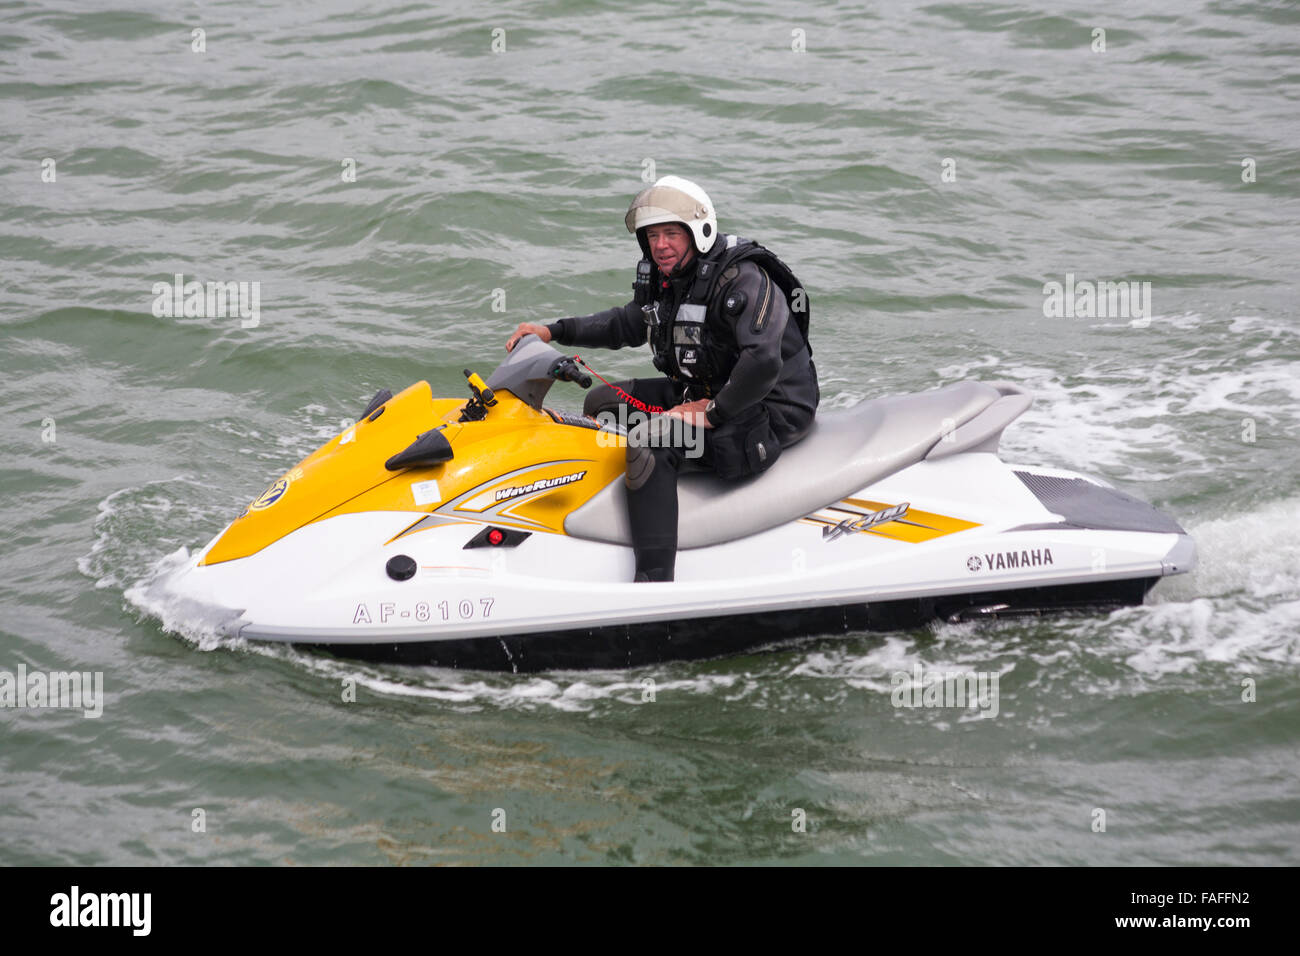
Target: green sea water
393 174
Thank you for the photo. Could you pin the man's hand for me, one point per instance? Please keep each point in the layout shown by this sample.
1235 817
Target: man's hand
691 412
526 328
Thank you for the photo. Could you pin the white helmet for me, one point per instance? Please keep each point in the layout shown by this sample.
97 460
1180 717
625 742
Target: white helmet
673 199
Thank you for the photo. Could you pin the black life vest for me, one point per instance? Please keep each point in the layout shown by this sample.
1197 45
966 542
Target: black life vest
692 343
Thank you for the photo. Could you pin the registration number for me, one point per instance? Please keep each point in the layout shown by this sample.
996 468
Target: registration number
385 612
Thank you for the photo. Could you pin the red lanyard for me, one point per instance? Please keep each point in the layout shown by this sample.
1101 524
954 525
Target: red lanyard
634 402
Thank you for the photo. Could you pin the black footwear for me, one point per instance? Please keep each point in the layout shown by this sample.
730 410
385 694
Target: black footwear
652 575
655 564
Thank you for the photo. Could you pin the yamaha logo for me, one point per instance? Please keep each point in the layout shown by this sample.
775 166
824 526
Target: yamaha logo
1008 560
271 495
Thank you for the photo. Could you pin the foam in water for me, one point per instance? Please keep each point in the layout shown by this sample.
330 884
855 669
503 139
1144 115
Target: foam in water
1254 556
204 625
120 528
1143 422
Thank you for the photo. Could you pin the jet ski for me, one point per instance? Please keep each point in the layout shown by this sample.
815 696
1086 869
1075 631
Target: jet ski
492 533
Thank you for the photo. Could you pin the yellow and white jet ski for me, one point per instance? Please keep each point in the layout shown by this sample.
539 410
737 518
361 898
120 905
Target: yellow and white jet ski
492 533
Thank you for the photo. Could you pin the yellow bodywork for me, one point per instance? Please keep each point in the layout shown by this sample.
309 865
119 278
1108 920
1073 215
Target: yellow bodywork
517 458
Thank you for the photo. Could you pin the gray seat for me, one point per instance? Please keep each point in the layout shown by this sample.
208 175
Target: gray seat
846 450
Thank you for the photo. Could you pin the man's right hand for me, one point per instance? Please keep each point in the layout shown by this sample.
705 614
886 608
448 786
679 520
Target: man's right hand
528 328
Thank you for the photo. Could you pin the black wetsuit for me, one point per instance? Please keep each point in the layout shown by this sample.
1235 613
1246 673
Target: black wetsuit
761 378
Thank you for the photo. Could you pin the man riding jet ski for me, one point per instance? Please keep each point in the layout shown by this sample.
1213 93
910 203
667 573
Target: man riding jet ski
494 532
727 323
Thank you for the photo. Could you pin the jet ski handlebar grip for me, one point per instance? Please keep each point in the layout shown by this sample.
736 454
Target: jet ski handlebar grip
567 370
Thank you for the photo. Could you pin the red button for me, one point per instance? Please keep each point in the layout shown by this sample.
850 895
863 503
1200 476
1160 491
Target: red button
496 536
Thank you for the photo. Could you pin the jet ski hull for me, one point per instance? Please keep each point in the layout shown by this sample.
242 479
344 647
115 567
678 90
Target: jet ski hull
637 645
549 600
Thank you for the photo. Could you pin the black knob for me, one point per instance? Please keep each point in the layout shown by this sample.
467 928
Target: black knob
401 567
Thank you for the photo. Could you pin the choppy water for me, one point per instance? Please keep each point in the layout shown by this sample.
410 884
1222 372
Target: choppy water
479 171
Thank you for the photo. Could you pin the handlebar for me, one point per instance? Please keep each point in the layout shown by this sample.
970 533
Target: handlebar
568 370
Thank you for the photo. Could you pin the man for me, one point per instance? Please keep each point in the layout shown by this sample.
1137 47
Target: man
728 325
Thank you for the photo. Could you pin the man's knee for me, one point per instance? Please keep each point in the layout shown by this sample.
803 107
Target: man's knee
652 444
640 466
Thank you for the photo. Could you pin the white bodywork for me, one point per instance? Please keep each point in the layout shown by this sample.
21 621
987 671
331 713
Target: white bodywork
327 583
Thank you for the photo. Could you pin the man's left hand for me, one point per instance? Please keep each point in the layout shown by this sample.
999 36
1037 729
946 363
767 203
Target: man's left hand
691 412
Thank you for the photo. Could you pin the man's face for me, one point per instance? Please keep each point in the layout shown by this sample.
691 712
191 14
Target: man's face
670 245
